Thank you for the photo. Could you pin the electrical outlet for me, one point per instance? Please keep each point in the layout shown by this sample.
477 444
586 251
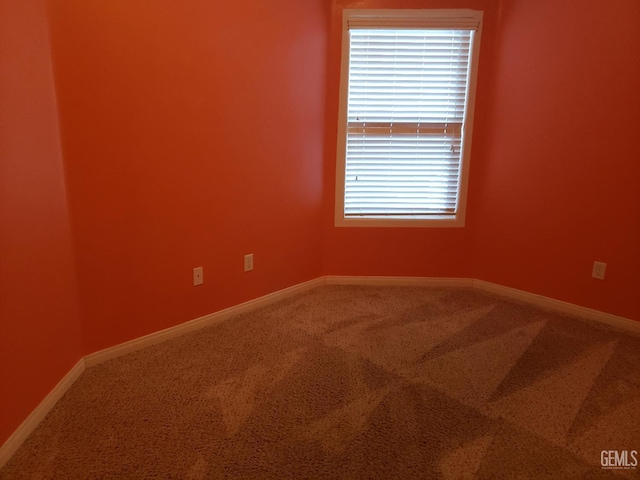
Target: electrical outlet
198 276
248 262
599 270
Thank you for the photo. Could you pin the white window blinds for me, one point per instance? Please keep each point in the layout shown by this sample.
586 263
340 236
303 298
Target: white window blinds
407 94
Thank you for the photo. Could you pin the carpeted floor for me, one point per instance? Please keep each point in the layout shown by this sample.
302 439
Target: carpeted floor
354 382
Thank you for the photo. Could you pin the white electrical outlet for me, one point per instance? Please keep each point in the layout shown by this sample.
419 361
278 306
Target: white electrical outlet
248 262
599 270
198 276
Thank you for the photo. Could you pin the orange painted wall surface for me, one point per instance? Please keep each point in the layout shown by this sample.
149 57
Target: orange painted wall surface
193 134
39 325
430 252
559 185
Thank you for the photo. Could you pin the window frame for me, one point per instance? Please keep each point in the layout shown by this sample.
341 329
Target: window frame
407 18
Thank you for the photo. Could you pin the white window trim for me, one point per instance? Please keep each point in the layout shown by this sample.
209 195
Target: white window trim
424 18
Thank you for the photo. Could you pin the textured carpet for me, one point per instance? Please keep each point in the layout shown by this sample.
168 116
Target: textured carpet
354 382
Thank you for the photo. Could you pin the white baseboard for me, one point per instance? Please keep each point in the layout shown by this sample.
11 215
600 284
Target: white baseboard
399 281
34 419
546 303
198 323
620 323
37 415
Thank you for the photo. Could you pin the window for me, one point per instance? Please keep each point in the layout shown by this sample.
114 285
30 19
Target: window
406 113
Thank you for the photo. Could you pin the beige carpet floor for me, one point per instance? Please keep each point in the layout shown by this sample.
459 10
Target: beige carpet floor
354 382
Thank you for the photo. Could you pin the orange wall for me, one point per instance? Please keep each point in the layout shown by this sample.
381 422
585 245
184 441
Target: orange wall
554 167
193 134
430 252
559 184
39 324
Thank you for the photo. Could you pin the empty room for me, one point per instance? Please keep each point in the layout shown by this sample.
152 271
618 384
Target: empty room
319 239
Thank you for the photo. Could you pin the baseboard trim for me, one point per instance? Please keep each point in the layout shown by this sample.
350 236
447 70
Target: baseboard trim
33 420
198 323
27 427
547 303
399 281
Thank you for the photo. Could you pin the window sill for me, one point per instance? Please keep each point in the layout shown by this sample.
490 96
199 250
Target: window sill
408 221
